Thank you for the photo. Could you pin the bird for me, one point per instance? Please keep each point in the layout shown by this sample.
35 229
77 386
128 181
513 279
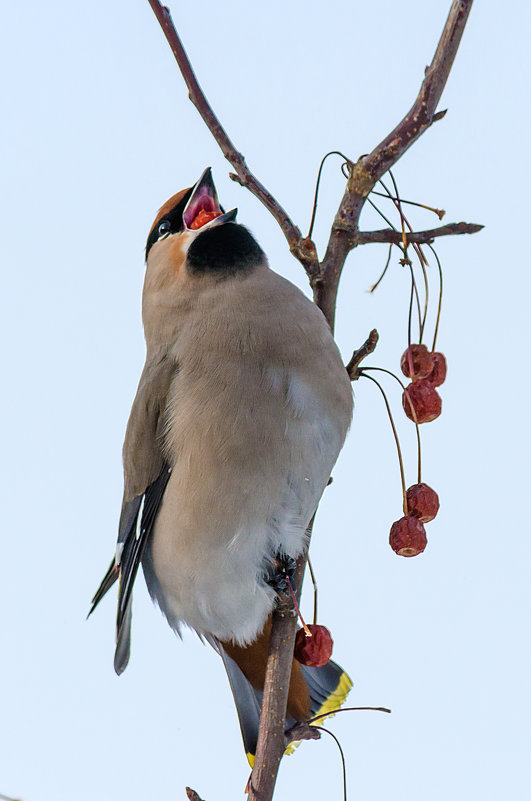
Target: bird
242 408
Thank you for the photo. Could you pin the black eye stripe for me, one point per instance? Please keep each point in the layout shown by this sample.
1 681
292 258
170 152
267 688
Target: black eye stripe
175 220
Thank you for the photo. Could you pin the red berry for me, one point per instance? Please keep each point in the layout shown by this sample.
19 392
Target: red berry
203 217
422 502
407 537
424 399
316 650
416 362
438 374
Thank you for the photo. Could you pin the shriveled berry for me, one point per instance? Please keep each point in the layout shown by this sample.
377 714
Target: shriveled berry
422 502
203 218
416 362
408 537
438 374
316 650
424 399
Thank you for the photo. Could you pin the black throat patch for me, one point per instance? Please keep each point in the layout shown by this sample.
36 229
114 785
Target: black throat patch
225 250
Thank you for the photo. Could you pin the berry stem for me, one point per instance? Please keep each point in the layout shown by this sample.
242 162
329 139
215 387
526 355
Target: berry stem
382 215
416 247
439 212
417 298
398 205
322 728
314 582
297 608
400 462
374 286
419 449
440 297
314 210
423 263
409 316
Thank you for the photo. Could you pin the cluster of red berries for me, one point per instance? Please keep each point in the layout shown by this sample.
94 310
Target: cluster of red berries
408 535
422 404
421 401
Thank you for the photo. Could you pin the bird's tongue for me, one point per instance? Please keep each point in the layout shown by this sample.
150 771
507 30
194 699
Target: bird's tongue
203 217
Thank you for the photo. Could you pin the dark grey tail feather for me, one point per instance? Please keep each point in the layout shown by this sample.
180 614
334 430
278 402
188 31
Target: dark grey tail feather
248 703
323 683
123 640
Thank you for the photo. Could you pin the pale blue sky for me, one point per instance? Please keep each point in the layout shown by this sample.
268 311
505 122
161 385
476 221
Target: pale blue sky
97 132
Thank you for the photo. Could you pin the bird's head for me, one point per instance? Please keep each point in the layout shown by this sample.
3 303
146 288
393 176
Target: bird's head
194 244
192 232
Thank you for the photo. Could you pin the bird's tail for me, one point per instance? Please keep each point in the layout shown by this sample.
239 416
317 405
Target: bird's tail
313 691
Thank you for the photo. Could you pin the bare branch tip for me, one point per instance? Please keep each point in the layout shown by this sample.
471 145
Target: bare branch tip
439 115
361 353
192 795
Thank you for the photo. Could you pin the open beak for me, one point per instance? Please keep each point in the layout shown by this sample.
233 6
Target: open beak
203 207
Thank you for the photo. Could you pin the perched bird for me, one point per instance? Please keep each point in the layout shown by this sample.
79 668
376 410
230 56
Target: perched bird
242 408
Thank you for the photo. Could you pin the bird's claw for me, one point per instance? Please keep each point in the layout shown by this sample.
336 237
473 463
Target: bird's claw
281 572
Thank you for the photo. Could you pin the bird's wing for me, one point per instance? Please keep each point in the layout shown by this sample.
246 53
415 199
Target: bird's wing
129 562
146 476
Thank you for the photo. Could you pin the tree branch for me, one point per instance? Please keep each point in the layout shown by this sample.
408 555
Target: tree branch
370 168
324 279
387 235
271 740
302 249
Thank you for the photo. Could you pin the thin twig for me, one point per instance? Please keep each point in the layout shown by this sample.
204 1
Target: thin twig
357 357
390 237
350 709
302 249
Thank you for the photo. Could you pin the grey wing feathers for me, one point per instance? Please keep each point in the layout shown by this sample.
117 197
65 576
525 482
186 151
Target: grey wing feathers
132 540
131 558
146 476
127 526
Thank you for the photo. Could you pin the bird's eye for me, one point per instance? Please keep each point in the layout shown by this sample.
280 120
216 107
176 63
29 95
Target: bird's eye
164 228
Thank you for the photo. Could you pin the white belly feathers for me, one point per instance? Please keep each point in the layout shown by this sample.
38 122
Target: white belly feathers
252 448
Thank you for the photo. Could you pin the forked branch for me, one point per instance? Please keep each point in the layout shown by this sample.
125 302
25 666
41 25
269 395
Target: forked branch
300 248
369 169
324 278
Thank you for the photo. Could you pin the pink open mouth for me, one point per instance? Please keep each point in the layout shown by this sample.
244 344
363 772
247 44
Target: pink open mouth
203 205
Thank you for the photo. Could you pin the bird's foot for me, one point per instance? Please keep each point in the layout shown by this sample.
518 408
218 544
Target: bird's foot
281 572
